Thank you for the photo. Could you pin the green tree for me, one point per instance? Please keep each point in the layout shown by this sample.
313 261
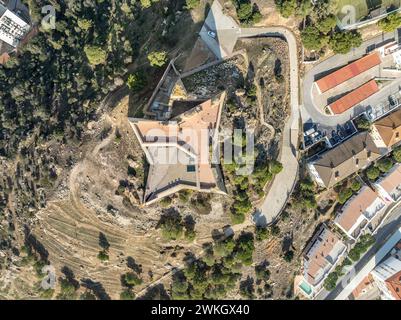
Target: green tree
385 165
343 42
331 281
372 173
157 58
327 24
244 11
312 39
286 7
390 23
172 227
344 195
84 24
356 185
96 55
397 154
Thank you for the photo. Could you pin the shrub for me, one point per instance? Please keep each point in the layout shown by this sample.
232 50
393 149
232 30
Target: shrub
136 81
190 235
356 186
131 279
191 4
275 167
385 165
311 38
157 58
166 202
344 195
331 281
103 255
343 42
275 230
172 227
261 233
288 256
390 23
372 173
365 241
96 55
397 154
127 295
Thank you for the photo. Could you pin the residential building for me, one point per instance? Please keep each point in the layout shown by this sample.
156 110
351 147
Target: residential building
348 72
12 27
354 97
358 213
321 255
387 275
335 165
386 131
389 187
178 151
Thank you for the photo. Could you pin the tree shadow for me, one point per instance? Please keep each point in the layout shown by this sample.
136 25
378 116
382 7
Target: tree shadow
131 263
103 242
34 244
69 275
97 289
189 222
157 292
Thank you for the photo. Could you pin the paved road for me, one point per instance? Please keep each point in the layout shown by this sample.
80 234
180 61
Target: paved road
312 113
389 232
283 183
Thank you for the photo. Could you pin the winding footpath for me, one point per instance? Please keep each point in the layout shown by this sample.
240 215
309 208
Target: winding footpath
284 182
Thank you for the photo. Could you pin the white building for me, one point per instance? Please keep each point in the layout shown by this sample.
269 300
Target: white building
357 214
387 276
321 256
12 27
389 187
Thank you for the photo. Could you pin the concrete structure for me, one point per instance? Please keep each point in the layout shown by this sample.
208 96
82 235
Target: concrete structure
357 214
12 27
321 256
335 165
387 275
178 151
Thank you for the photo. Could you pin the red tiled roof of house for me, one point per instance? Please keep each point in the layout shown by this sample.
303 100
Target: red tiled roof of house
394 285
354 97
348 72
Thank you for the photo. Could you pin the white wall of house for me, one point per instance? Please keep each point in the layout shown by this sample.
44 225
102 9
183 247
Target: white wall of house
315 175
384 271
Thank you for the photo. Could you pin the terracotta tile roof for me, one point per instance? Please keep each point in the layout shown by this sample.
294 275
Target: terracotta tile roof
365 283
350 71
317 251
389 128
354 97
355 207
394 285
347 158
178 150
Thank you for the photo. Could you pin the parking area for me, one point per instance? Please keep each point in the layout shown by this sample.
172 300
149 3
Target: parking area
314 133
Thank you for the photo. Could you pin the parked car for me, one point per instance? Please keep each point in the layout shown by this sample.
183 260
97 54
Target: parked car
211 34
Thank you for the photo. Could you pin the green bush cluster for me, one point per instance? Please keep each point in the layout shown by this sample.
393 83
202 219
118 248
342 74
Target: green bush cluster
247 12
217 273
364 243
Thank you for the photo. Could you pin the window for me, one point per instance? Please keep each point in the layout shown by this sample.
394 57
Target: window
191 168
